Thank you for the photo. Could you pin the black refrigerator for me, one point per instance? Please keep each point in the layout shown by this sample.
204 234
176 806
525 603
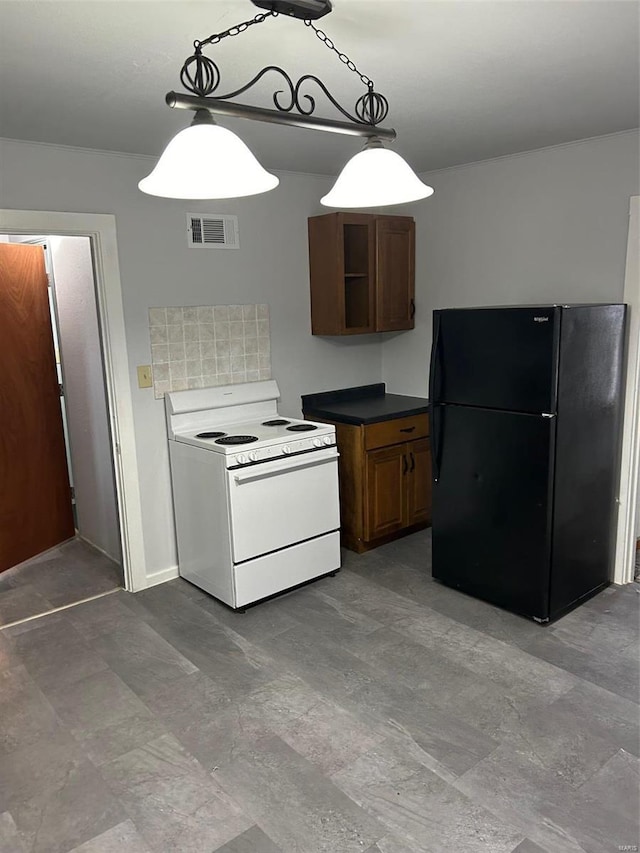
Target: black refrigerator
525 406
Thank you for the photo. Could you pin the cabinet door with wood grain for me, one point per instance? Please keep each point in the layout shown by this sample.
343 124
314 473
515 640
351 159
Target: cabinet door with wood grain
419 482
395 274
386 473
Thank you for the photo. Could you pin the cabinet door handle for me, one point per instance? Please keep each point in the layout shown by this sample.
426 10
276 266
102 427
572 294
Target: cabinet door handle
407 429
413 308
413 462
405 467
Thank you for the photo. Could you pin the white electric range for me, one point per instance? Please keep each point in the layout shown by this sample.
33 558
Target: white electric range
255 495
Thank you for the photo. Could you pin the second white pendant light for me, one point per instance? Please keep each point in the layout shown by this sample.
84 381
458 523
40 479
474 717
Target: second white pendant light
376 177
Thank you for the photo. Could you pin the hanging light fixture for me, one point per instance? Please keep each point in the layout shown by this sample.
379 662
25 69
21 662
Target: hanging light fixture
376 177
209 161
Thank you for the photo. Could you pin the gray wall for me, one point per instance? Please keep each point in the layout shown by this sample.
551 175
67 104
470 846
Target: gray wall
546 226
86 406
157 268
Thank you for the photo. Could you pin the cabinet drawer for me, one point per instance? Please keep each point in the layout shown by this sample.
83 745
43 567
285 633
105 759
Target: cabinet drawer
395 431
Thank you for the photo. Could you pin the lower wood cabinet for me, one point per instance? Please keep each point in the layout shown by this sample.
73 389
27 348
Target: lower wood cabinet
419 508
397 488
385 480
386 491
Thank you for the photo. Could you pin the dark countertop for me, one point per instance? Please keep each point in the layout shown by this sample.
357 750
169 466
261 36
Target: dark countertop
364 404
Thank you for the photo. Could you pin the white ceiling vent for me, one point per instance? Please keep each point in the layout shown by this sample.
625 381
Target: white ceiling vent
212 231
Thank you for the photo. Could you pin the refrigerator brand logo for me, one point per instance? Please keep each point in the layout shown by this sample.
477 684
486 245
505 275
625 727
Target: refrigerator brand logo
541 319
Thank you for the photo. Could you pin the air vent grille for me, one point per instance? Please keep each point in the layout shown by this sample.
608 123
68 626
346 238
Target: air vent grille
212 231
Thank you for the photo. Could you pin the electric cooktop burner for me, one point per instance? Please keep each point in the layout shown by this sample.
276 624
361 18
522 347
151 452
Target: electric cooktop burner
301 427
210 434
236 439
277 422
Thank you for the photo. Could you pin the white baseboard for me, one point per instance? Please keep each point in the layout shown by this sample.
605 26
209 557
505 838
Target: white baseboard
164 575
98 548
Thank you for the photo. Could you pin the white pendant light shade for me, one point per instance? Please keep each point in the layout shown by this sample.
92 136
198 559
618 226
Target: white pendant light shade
207 161
376 177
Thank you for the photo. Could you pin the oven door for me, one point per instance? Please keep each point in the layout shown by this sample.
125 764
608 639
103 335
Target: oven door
276 504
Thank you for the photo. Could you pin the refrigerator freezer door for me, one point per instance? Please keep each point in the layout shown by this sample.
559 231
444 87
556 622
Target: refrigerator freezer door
498 358
492 507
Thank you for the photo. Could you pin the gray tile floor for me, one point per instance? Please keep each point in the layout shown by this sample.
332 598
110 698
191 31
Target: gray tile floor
64 575
377 712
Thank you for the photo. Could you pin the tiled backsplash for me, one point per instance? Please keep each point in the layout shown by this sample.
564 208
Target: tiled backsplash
209 345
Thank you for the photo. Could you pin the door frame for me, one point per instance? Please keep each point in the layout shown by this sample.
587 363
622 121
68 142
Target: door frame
630 457
101 229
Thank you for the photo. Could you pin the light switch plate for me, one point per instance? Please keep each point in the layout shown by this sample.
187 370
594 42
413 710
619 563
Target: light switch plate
145 378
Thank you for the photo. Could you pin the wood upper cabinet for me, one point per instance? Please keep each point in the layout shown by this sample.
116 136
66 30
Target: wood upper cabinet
362 273
395 276
385 480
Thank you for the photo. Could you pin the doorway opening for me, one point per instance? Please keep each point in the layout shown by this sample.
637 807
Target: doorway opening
60 526
101 230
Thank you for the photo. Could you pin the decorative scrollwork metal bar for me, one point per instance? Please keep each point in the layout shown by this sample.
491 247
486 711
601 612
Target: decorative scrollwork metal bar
201 77
176 100
370 108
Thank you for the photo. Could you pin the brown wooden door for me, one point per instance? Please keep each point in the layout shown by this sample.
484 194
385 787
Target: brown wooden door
419 482
386 491
395 273
35 498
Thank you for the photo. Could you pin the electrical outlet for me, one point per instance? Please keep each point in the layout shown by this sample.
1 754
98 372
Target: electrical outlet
145 378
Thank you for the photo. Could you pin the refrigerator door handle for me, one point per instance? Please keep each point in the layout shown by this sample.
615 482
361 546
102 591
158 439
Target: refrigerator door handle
434 367
434 383
434 444
548 414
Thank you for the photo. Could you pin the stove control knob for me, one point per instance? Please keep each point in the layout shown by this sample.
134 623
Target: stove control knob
286 449
253 456
327 439
317 442
242 459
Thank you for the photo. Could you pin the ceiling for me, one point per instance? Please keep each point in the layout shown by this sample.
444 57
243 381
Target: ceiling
466 81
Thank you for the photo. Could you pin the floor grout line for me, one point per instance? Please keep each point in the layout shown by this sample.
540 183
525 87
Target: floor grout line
58 609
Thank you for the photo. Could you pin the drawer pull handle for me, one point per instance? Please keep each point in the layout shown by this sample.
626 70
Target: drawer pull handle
407 429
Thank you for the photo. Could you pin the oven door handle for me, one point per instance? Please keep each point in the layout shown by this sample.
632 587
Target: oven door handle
259 472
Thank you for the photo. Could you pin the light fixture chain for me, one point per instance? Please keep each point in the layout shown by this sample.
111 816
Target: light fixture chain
215 38
324 38
201 75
